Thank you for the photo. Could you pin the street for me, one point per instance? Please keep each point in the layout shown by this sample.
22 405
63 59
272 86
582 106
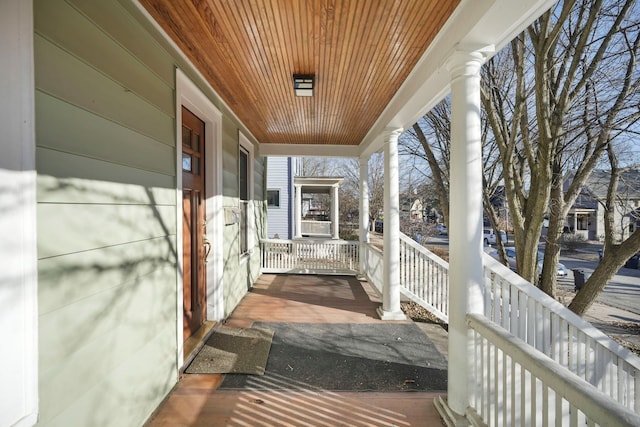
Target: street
623 291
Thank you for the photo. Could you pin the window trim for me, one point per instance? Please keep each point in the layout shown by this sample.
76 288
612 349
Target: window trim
272 206
247 146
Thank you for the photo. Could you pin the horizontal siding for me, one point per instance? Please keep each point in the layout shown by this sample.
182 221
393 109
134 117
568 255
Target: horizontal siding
230 151
105 130
122 395
113 19
72 228
97 48
278 179
69 178
101 270
66 77
65 127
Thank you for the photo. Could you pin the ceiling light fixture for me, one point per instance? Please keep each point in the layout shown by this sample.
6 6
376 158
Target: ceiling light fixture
303 84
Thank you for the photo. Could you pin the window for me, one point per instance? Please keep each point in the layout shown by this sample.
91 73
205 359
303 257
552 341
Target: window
273 198
582 221
245 194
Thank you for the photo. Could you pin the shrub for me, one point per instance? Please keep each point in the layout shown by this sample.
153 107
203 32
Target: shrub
572 242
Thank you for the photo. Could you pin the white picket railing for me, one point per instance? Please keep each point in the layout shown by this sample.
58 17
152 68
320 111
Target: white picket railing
516 385
373 265
309 256
424 277
552 329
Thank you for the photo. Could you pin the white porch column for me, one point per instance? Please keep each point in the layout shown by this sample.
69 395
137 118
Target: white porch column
465 220
18 219
298 211
364 209
335 212
390 309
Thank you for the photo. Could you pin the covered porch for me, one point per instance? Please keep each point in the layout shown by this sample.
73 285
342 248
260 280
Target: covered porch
294 299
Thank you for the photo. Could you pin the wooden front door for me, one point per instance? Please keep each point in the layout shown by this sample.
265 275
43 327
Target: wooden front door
194 243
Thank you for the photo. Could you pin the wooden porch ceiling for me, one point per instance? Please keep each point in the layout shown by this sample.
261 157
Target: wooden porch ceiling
359 51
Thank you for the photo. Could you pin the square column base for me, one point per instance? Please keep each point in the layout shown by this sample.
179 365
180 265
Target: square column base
450 418
390 315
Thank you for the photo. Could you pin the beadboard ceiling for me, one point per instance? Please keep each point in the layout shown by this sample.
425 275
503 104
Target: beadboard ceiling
359 51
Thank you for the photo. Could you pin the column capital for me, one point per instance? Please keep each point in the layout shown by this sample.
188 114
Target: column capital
467 60
392 134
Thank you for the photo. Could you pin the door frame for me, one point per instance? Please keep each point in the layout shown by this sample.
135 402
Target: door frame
190 96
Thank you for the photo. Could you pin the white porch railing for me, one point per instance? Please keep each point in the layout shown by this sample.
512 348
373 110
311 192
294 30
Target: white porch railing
373 265
573 343
516 385
309 256
315 228
424 277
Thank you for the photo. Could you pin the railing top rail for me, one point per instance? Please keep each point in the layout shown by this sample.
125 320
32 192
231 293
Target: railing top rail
516 281
311 240
595 404
418 247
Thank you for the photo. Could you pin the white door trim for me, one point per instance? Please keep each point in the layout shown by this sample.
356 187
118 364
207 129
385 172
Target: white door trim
189 96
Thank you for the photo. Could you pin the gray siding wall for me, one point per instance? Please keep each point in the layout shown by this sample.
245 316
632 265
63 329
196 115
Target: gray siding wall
105 129
278 172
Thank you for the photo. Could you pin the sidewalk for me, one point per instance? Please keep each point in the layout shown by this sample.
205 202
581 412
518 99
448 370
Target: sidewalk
621 325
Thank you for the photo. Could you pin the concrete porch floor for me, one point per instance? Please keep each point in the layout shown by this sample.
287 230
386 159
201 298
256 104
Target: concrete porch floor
197 400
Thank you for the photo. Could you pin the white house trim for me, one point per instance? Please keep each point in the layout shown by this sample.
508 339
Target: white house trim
18 245
466 231
309 150
364 208
390 309
188 94
251 226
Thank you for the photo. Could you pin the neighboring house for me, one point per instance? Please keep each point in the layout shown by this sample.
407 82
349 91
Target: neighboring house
280 195
586 217
416 212
318 201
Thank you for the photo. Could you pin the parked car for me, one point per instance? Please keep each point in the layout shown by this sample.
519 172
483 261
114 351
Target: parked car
442 229
511 259
490 236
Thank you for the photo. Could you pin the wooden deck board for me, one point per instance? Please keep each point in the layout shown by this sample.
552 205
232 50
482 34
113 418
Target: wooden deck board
196 400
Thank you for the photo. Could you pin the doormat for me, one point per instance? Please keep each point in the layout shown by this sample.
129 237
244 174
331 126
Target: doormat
233 351
348 357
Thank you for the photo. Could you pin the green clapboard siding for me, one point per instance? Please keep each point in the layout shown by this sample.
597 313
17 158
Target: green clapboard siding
86 274
65 127
71 228
69 178
95 47
113 19
64 76
107 268
107 225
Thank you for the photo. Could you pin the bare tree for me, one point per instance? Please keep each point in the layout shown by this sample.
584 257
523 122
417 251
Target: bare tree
575 87
350 189
557 101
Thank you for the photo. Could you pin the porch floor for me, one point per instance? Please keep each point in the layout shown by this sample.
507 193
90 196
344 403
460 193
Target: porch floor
197 400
